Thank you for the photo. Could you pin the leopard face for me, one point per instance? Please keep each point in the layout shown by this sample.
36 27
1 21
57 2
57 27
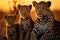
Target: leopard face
41 6
25 10
10 19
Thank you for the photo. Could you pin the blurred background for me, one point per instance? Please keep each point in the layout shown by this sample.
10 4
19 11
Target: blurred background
7 5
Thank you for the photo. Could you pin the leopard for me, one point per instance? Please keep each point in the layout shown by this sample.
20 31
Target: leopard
53 34
26 24
11 27
44 21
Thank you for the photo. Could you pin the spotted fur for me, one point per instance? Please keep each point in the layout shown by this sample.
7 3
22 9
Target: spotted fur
53 34
12 31
44 21
26 22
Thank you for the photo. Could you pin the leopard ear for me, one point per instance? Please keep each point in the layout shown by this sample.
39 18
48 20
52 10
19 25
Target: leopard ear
48 3
19 6
34 3
30 6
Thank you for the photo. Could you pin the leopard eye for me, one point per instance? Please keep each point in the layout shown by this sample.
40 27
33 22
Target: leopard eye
40 13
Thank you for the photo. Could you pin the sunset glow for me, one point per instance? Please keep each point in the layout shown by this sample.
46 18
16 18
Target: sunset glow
7 4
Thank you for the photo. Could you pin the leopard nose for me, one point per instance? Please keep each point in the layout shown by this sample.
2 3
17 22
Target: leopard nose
38 19
21 18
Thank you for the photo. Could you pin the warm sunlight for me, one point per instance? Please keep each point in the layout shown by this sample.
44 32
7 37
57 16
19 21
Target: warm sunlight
7 4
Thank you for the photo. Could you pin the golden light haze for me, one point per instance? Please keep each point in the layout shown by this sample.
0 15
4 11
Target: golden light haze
6 4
